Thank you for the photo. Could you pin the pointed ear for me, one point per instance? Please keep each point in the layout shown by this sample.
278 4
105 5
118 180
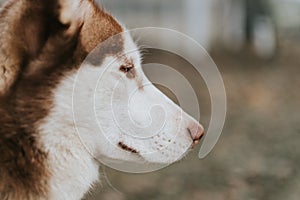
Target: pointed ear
27 26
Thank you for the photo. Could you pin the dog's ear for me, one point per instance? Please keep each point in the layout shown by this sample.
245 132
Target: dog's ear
27 29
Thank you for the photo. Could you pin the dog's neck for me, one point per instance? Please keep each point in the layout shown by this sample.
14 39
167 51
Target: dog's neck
72 167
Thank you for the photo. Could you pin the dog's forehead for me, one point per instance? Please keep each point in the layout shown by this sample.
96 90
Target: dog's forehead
98 27
131 50
102 36
120 47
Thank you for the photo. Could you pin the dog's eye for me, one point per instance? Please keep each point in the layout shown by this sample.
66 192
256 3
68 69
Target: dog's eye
126 69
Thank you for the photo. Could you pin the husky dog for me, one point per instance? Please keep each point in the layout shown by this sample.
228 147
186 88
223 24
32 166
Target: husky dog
44 44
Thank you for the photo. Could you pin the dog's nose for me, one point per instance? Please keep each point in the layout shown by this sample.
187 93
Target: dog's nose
197 132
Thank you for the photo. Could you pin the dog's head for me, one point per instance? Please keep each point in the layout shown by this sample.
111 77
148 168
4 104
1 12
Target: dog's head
67 65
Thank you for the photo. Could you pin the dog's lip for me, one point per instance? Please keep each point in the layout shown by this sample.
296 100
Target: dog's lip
125 147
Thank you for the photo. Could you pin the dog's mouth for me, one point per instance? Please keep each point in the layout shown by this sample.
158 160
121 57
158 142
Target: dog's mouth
127 148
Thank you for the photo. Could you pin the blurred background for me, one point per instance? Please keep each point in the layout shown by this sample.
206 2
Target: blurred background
256 46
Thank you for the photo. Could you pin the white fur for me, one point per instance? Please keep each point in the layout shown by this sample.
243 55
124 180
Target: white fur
73 170
103 112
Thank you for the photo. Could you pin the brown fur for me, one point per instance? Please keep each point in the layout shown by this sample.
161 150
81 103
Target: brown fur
36 51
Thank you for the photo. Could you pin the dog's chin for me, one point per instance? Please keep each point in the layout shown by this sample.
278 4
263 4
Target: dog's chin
130 165
164 157
140 163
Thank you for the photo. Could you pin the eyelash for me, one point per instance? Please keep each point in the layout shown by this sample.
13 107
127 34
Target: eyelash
126 69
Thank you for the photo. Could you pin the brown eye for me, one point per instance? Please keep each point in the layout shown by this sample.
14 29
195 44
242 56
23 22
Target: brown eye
126 69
